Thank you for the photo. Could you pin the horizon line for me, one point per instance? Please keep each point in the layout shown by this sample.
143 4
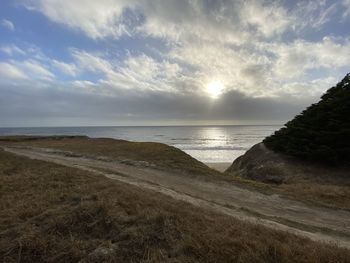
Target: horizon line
111 126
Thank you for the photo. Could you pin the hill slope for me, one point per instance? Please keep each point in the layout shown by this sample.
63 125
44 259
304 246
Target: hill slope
54 213
152 154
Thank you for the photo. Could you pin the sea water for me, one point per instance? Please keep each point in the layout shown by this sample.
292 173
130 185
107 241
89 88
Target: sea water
209 144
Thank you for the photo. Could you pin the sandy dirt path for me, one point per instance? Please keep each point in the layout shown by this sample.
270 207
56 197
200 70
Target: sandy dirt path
316 223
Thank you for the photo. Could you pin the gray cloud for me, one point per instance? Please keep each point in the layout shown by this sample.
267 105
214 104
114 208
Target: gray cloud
254 48
71 107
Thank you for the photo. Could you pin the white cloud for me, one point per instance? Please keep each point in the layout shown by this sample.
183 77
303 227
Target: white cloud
183 21
249 69
144 72
34 69
12 50
66 68
38 69
143 67
91 62
313 14
83 83
97 19
267 18
8 24
325 15
135 72
294 59
310 89
225 20
11 72
346 5
240 43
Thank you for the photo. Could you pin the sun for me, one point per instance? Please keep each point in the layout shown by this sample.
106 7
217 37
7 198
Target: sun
215 89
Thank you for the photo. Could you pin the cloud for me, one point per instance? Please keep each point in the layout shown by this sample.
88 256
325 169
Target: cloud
171 19
11 72
33 69
238 42
91 62
233 21
183 21
346 5
25 70
66 106
12 50
266 18
307 89
153 59
135 72
144 72
294 59
83 83
67 68
37 69
325 16
97 19
8 24
31 62
313 14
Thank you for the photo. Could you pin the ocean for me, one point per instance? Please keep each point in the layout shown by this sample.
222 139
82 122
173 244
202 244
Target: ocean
209 144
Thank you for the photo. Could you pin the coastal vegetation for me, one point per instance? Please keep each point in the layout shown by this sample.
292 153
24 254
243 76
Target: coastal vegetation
321 133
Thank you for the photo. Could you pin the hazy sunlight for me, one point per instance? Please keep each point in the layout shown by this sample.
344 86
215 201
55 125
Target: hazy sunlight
215 89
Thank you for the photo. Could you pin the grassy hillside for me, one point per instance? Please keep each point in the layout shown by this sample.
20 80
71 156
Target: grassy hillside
157 154
51 213
321 133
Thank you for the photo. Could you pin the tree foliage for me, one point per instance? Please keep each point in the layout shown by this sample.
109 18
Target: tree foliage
321 133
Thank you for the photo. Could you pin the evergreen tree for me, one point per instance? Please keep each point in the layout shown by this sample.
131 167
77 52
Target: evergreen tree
320 133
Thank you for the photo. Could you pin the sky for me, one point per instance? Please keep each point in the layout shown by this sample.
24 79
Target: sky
167 62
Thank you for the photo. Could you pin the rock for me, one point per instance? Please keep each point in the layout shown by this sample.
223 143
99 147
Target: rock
261 164
101 254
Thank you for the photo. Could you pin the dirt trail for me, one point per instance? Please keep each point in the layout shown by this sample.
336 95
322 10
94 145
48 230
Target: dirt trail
316 223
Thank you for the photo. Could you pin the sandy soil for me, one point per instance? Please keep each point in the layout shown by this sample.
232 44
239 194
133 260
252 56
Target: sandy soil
316 223
221 167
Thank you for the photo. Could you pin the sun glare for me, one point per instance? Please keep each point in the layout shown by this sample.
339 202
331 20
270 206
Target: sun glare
215 89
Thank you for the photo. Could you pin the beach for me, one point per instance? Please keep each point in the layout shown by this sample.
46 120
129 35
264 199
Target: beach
221 167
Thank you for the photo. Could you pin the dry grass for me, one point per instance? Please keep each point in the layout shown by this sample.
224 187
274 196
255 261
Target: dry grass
326 194
271 172
161 155
51 213
315 192
326 191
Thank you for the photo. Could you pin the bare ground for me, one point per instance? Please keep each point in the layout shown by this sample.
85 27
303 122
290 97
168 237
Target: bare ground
273 211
